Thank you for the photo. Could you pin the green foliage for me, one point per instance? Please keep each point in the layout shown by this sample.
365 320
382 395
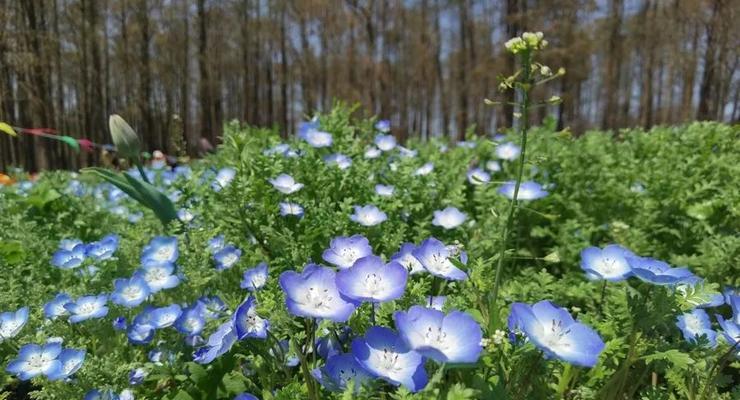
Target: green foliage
672 193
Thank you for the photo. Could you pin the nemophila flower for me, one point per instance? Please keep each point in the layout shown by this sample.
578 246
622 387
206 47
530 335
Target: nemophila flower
344 251
508 151
291 360
554 331
733 300
339 371
385 142
280 148
71 360
120 324
55 308
493 166
103 249
339 160
285 183
384 353
477 176
610 263
216 243
247 323
126 394
161 249
34 360
449 218
657 272
314 294
219 343
158 275
466 144
696 324
140 334
96 394
318 139
12 322
245 396
164 317
135 217
130 292
69 244
136 376
406 258
255 278
436 302
370 279
434 256
214 307
425 169
372 153
453 338
87 307
406 153
730 331
223 178
383 125
191 321
328 345
527 190
227 257
368 215
69 259
185 216
291 209
384 190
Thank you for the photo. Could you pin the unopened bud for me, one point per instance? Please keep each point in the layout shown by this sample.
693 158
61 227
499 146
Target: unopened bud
124 137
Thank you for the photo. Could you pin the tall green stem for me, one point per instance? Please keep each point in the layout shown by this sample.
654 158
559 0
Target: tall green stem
524 87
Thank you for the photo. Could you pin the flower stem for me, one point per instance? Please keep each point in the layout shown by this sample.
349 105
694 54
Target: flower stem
525 87
142 173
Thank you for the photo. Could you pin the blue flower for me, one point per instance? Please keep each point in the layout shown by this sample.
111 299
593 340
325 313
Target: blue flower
185 216
55 308
164 317
227 257
731 332
316 138
158 276
130 292
344 251
218 343
554 331
245 396
291 209
255 278
71 360
191 321
368 215
160 250
425 169
339 160
313 293
69 244
493 166
383 125
103 249
136 376
385 142
214 306
140 333
657 272
610 263
370 279
34 360
305 126
508 151
406 258
527 190
87 307
247 323
449 218
452 338
733 300
436 302
285 184
383 353
339 371
12 322
217 243
223 178
435 257
96 394
120 323
696 324
477 176
384 190
69 259
372 153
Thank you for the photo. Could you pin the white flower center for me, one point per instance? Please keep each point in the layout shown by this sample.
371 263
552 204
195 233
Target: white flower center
318 299
693 324
554 334
388 360
436 337
373 283
86 308
131 293
38 362
258 280
164 253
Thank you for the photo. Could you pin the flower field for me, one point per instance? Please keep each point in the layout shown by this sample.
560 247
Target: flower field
340 265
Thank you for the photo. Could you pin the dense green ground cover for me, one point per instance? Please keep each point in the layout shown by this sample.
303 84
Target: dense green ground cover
672 193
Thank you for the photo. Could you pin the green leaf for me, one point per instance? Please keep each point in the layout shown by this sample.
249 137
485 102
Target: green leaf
12 252
41 198
678 359
233 384
182 395
116 180
154 199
